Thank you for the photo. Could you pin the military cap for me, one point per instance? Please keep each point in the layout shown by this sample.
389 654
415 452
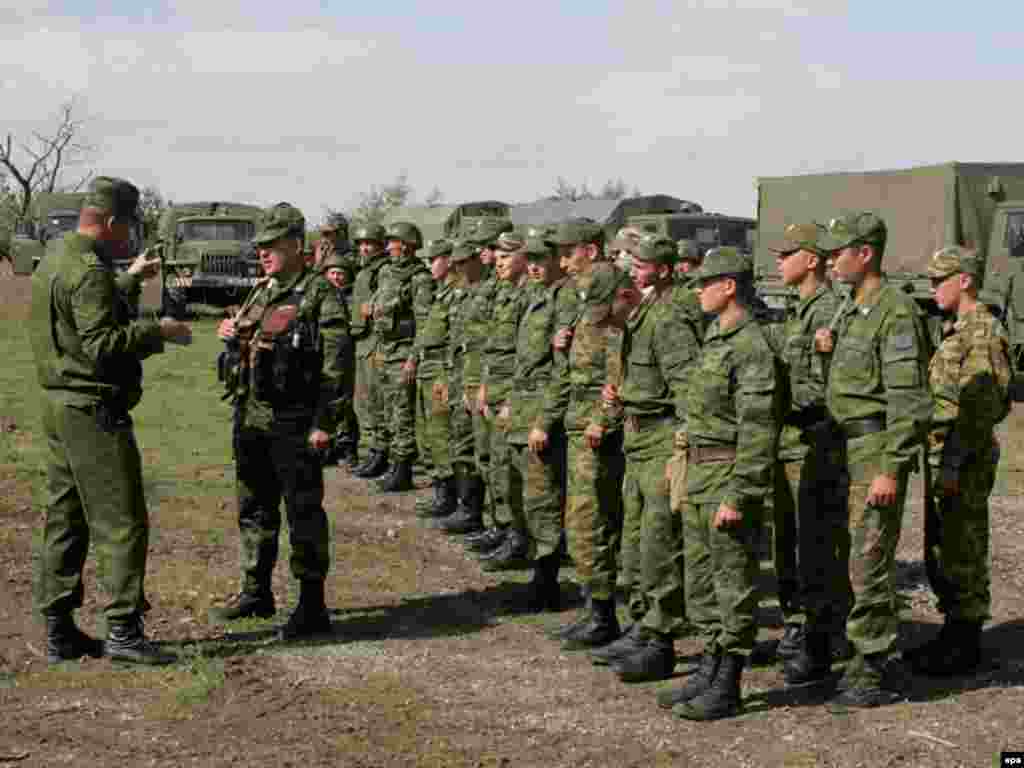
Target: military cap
439 247
281 220
405 231
462 251
576 231
113 195
602 283
656 249
625 239
488 230
540 232
853 228
802 237
688 250
511 241
724 260
537 249
952 260
337 261
335 222
372 232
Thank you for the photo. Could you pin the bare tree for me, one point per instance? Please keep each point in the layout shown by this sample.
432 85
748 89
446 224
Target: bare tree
612 189
42 161
375 204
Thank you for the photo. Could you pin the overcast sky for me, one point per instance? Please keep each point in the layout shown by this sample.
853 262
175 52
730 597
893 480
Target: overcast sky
314 102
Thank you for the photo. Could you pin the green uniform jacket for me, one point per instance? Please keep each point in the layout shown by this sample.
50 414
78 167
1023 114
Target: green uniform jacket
476 327
432 329
733 402
970 378
86 349
878 370
325 331
498 352
363 290
458 312
404 289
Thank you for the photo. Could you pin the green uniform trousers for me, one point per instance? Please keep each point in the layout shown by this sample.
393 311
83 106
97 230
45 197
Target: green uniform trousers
482 427
721 576
399 410
369 399
956 541
433 433
94 489
461 446
505 510
269 467
538 479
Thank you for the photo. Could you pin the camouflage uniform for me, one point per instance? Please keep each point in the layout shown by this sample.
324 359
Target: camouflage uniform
480 306
369 403
336 312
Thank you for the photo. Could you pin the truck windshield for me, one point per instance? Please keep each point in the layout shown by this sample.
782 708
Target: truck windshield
216 230
1015 233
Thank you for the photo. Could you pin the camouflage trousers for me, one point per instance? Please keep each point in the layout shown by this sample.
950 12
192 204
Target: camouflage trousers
369 399
593 510
482 428
399 410
504 510
94 491
461 447
721 577
873 623
810 539
348 425
956 543
538 482
433 428
651 564
271 467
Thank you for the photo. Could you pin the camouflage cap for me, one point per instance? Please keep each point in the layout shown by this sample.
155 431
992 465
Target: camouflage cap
113 195
626 239
724 260
576 231
487 230
334 223
688 250
439 247
853 228
802 237
952 260
602 283
462 250
281 220
537 249
657 249
511 241
374 233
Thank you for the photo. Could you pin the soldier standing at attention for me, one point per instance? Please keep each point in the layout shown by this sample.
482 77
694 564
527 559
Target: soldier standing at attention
877 393
970 377
430 356
369 406
808 499
88 363
732 428
281 374
405 288
660 348
337 270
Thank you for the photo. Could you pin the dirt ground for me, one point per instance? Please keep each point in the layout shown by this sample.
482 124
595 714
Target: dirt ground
431 665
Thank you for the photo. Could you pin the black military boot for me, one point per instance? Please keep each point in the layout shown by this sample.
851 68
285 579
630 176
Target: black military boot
956 650
603 628
246 605
310 617
126 642
631 642
543 593
792 641
399 480
510 556
812 664
376 465
468 515
360 466
864 685
344 452
563 631
700 680
721 698
486 540
66 642
441 503
655 660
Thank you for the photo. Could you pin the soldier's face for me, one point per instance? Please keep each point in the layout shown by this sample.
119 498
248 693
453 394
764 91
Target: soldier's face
282 255
850 264
715 292
946 292
369 248
794 266
545 271
575 259
487 256
336 277
646 273
510 265
439 268
685 266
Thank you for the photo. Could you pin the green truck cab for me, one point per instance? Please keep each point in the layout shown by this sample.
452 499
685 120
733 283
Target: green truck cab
208 259
52 215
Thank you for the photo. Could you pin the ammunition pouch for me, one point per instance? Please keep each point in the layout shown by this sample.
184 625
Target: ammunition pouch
286 370
230 363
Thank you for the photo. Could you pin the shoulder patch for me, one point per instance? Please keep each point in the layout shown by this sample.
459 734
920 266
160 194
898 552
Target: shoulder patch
902 342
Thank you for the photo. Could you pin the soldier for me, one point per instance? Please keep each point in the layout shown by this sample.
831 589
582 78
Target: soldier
660 347
688 263
280 370
334 239
429 356
88 363
808 490
405 289
595 464
620 250
877 393
499 367
369 405
732 424
969 376
337 270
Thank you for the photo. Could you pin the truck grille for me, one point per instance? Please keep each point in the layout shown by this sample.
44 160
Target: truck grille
222 264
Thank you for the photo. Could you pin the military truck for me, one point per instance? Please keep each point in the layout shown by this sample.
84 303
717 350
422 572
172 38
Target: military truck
51 216
208 259
437 221
978 205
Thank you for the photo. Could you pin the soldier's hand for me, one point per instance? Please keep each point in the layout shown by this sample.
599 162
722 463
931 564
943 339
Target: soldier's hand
504 413
824 340
226 330
319 440
537 440
409 371
147 263
365 311
727 517
481 400
561 339
882 492
949 481
594 433
175 331
610 394
465 402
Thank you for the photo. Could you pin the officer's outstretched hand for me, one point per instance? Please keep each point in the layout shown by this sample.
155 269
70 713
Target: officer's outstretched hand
175 331
319 440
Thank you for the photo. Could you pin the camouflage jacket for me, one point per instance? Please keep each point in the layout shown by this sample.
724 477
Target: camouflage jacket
498 351
879 371
476 327
404 290
970 379
86 349
432 330
734 403
660 348
684 294
458 312
289 339
363 289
